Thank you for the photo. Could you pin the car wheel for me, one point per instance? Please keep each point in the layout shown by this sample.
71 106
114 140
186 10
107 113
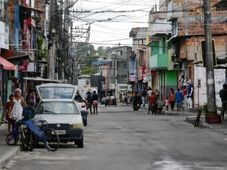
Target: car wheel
80 143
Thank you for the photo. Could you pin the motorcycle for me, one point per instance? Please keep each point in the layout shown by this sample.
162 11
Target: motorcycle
136 104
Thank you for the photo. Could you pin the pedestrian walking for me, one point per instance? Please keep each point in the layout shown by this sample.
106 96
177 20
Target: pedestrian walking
144 94
223 96
179 98
172 98
149 91
152 103
8 115
18 104
167 103
95 102
89 101
78 97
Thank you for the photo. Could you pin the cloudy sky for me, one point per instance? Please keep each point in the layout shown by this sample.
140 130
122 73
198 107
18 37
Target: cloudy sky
111 28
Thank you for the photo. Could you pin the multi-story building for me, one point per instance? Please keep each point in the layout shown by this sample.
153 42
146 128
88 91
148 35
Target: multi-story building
140 56
186 44
162 78
6 67
119 68
24 45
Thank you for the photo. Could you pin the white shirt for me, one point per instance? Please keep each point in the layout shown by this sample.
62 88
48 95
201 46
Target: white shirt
17 110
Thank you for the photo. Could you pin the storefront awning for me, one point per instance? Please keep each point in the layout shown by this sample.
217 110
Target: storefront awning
6 64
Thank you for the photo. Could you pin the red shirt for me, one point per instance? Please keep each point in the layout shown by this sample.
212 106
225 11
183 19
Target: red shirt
152 99
9 106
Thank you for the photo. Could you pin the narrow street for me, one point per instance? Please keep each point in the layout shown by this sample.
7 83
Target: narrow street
121 139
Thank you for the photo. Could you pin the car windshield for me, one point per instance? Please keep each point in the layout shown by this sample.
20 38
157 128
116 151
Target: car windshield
56 92
57 108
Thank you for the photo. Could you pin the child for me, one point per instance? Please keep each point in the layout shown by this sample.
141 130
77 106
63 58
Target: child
167 103
8 115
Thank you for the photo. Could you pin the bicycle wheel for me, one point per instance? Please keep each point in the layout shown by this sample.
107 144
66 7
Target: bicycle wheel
23 146
52 139
30 141
11 139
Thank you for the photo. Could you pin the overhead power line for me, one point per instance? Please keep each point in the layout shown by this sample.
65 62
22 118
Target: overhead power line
119 3
108 11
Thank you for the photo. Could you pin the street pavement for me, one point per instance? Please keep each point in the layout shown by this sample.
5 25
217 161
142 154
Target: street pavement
6 152
9 152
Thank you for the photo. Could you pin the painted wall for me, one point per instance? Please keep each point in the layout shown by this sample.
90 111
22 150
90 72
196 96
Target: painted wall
200 94
4 35
17 26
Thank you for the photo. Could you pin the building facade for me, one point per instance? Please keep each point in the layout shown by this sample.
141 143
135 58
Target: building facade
187 41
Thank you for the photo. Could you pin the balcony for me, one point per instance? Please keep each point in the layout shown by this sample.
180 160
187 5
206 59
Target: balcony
158 62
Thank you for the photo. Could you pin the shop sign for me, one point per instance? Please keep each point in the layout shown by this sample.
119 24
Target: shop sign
4 35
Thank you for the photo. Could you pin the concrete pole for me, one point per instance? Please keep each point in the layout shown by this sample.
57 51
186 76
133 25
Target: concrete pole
52 49
60 63
209 63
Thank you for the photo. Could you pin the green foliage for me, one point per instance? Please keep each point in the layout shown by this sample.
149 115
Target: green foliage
87 70
87 54
42 51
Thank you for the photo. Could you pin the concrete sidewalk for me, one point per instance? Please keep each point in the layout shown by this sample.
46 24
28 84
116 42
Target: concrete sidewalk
7 152
221 128
190 116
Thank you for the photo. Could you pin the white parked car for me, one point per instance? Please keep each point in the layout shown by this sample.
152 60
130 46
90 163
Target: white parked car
58 108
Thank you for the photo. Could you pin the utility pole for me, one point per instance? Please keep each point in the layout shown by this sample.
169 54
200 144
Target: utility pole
209 63
60 59
52 31
66 40
73 57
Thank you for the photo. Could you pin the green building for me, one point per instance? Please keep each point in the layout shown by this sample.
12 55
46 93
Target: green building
162 78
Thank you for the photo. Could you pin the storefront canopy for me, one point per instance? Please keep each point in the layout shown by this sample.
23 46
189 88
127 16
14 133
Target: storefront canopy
6 64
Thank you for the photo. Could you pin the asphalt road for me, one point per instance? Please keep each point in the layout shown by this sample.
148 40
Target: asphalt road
121 139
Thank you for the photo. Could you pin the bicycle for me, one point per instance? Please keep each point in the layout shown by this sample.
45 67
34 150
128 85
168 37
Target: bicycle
48 135
29 133
20 131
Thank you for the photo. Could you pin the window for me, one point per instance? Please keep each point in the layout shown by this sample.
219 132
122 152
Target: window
174 27
57 108
56 92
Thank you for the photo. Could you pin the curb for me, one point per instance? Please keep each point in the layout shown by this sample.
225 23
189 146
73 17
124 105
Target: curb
7 157
10 154
203 124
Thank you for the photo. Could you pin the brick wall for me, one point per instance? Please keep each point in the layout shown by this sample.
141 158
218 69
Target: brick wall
192 48
190 17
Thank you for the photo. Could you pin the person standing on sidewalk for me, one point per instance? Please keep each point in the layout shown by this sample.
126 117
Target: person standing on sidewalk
179 99
185 94
190 94
167 103
223 96
172 98
18 104
8 116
